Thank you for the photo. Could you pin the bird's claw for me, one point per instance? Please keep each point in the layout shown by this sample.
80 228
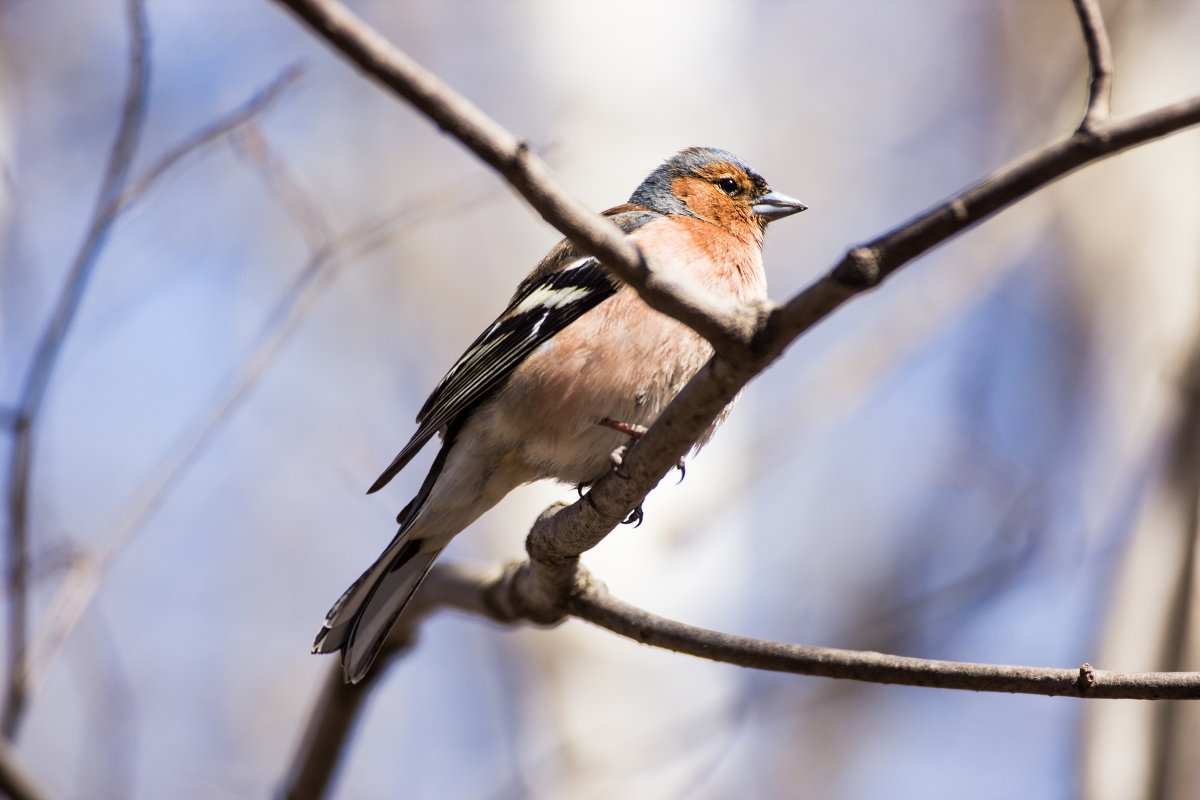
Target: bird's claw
635 518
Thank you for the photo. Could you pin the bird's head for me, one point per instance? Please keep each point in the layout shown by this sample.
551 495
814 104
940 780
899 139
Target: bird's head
715 186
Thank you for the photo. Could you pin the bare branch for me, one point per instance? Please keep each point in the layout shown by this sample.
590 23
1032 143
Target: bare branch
1100 64
45 357
597 606
477 592
867 265
504 597
480 593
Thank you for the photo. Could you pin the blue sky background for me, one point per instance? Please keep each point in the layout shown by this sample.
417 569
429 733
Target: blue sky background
953 466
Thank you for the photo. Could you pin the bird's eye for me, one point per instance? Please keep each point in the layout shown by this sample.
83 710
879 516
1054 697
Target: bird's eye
729 186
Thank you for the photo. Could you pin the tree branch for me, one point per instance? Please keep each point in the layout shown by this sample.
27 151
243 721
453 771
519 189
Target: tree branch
499 597
45 358
496 596
597 606
867 265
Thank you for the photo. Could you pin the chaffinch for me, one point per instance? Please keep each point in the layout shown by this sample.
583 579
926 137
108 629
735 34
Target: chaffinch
575 366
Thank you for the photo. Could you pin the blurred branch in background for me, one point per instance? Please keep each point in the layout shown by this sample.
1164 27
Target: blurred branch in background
1149 752
229 124
15 783
332 718
330 254
45 357
1174 770
115 199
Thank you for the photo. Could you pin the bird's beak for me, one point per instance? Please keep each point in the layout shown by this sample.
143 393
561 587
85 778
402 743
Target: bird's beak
774 205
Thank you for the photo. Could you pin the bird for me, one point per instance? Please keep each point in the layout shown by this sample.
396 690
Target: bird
575 368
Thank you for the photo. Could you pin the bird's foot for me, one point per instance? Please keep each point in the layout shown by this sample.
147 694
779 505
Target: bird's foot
634 432
617 457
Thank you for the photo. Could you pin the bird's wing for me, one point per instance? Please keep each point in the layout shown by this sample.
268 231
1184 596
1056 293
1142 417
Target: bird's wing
543 306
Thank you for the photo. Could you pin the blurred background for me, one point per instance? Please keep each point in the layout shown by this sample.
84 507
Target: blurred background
991 458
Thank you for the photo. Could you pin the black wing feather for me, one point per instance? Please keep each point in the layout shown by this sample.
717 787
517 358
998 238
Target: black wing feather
543 309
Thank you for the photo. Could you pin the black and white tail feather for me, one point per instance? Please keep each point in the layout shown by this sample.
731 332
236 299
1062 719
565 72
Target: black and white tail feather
359 622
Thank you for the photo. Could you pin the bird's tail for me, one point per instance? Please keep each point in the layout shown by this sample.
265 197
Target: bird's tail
360 620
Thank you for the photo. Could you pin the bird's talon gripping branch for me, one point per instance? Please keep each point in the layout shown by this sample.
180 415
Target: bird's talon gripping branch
617 457
635 518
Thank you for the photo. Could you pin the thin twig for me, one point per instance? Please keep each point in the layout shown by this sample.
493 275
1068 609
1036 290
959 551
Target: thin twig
45 358
221 126
308 214
1100 64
